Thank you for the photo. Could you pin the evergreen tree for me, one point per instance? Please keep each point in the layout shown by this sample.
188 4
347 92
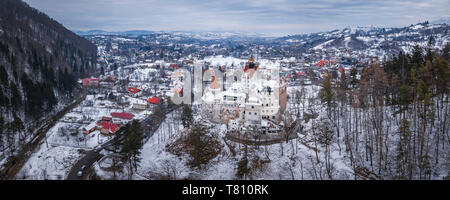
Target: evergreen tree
16 125
132 144
201 148
417 56
354 80
405 97
2 126
16 97
343 87
187 118
242 168
3 76
446 52
402 150
326 93
4 101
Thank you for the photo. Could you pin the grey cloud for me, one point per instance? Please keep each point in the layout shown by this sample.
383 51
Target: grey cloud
269 16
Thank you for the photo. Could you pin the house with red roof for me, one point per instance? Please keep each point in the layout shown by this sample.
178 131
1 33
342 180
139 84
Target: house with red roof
108 119
322 63
133 90
108 128
110 79
154 100
122 115
90 82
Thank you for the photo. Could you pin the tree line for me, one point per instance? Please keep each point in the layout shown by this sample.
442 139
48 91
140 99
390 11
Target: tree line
394 119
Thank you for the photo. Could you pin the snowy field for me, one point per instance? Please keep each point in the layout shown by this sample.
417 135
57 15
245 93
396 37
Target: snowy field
52 163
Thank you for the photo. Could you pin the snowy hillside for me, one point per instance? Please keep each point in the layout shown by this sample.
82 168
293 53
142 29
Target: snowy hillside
385 41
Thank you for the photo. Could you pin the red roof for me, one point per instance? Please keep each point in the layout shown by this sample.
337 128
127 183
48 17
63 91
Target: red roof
341 69
89 81
289 76
154 100
106 118
122 115
247 67
133 90
174 66
109 126
300 73
320 63
179 91
85 81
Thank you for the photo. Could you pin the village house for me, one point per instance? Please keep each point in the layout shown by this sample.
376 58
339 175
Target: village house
90 82
121 117
139 106
108 128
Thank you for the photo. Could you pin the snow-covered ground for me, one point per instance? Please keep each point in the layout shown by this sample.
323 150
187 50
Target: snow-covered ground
300 158
297 159
61 147
291 160
221 60
49 163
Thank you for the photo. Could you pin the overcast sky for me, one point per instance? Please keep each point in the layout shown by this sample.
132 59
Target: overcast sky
272 17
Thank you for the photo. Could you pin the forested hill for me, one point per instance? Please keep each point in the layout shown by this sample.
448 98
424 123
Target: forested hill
40 62
38 56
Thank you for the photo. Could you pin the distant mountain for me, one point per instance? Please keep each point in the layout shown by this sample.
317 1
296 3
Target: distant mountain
40 61
445 20
218 35
101 32
207 35
374 40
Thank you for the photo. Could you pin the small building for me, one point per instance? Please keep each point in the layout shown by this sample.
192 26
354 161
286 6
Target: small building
154 100
90 82
122 115
110 79
173 66
138 106
108 128
106 119
322 63
89 129
133 90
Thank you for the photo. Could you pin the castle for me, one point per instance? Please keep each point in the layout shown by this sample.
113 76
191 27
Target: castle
252 98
